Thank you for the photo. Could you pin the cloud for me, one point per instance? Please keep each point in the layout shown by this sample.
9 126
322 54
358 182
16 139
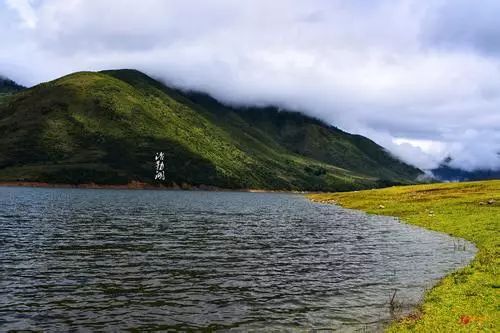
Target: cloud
406 73
24 10
475 150
464 24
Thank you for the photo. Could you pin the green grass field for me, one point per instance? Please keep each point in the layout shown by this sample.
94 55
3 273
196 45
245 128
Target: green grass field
468 299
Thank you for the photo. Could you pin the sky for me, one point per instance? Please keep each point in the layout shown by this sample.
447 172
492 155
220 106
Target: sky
420 77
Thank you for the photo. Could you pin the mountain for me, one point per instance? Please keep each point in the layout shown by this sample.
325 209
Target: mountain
447 173
8 86
106 127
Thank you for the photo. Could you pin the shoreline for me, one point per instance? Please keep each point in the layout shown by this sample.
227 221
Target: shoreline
464 300
135 185
413 313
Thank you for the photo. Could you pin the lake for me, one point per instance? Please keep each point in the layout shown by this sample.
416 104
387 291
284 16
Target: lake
84 259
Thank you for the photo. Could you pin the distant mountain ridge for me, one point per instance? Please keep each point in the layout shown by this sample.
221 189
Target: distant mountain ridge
106 127
7 86
446 172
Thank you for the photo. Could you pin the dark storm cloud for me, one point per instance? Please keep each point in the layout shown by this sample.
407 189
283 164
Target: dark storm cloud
420 81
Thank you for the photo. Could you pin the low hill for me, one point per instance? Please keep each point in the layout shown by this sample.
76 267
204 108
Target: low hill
106 128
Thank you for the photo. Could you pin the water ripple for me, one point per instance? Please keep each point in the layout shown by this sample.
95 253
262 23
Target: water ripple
157 260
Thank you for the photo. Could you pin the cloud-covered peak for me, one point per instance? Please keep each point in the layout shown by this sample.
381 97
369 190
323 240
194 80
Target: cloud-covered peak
421 78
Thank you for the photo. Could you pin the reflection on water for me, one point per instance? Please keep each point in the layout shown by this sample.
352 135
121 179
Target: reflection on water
111 259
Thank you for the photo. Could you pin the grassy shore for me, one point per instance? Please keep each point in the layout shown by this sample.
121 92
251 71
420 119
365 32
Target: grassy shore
468 299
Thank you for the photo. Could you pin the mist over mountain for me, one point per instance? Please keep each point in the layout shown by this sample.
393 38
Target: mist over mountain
418 77
107 127
446 172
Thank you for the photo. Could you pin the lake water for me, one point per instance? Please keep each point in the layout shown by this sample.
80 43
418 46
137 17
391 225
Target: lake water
87 260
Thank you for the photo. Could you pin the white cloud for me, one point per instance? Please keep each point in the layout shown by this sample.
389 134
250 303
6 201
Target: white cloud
25 12
375 68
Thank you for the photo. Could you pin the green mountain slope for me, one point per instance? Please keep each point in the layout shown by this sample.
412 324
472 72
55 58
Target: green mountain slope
106 128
